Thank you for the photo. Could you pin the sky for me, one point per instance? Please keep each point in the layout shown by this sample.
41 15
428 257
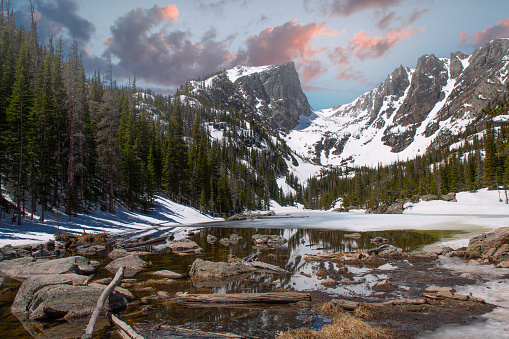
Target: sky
341 48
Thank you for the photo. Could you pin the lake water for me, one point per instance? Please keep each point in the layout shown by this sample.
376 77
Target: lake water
306 232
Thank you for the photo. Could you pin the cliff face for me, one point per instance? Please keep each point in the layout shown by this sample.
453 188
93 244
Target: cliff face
271 94
413 109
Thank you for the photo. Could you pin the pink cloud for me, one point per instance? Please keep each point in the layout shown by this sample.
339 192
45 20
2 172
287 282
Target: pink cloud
169 13
464 38
365 47
311 70
281 44
500 30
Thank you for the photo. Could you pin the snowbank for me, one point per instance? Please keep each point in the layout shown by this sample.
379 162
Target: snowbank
167 214
482 202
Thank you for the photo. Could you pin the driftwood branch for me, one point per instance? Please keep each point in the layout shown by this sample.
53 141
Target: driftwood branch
100 303
242 298
203 333
265 266
124 327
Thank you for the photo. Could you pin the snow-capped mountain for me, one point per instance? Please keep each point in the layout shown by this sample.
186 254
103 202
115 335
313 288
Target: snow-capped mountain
270 94
412 110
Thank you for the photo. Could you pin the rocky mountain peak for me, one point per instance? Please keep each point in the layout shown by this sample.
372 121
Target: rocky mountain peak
278 94
412 110
271 94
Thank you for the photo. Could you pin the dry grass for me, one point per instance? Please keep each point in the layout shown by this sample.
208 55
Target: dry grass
363 312
344 326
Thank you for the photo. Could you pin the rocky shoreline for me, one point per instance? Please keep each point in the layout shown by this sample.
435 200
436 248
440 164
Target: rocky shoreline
56 286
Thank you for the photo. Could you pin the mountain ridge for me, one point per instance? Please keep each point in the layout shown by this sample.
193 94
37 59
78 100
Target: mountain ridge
411 111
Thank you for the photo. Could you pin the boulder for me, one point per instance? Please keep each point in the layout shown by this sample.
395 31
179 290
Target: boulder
71 302
378 240
203 269
25 295
385 250
449 197
224 241
211 239
493 246
268 240
234 239
118 253
91 250
503 264
132 263
61 296
168 274
185 246
22 268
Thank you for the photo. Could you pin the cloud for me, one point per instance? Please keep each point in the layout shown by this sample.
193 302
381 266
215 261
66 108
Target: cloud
349 7
217 6
57 15
160 56
365 47
284 43
388 19
500 30
311 70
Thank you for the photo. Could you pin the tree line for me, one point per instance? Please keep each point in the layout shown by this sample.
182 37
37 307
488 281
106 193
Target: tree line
469 162
76 143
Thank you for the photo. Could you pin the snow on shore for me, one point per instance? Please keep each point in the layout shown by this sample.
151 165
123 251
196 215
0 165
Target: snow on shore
167 214
472 213
482 202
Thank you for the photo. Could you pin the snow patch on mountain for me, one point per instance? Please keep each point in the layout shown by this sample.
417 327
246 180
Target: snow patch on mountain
242 71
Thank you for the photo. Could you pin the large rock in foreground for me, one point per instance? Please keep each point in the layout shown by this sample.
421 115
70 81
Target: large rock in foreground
21 269
203 269
61 296
493 246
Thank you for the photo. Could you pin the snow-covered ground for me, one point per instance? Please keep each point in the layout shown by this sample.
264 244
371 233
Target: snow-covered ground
167 214
473 213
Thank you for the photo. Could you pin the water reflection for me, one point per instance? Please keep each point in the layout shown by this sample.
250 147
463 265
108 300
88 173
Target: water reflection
258 320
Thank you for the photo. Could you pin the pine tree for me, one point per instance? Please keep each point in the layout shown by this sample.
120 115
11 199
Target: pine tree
17 118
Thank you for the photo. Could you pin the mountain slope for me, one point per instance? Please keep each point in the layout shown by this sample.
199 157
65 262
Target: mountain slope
411 111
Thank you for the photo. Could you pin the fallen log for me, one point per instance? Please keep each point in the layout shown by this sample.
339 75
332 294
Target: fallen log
124 327
203 333
265 266
244 298
100 303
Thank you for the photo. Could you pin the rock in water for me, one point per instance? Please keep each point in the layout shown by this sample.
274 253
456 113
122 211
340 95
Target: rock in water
21 306
185 246
493 246
168 274
133 264
203 269
61 296
118 253
22 268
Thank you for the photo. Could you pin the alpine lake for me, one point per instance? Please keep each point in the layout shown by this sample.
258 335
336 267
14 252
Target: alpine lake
255 320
